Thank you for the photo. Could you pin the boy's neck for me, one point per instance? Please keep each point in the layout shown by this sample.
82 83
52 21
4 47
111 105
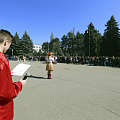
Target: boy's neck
1 48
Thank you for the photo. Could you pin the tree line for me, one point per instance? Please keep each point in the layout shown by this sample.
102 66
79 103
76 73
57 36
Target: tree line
20 47
91 43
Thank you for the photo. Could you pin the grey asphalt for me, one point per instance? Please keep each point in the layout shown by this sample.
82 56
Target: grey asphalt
76 92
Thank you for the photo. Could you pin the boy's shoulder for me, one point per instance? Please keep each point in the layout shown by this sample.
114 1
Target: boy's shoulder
3 58
2 63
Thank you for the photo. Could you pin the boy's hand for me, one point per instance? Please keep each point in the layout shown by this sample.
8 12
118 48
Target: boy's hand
23 82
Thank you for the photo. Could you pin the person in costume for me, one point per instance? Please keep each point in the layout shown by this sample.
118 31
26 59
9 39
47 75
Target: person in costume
8 89
49 66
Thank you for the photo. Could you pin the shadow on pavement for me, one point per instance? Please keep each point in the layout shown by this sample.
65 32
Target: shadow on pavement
31 76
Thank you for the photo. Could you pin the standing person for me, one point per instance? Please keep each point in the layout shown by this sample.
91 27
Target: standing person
23 58
49 66
55 60
8 89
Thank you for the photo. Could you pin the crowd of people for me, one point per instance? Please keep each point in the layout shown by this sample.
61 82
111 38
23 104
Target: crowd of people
96 61
30 58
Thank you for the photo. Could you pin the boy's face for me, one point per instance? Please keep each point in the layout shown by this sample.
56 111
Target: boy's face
6 45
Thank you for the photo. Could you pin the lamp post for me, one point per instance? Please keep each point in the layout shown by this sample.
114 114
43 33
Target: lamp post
48 47
12 52
89 39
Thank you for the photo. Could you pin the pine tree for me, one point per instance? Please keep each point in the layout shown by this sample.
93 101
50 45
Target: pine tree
40 53
15 46
79 38
27 44
92 40
45 46
110 41
55 46
64 44
51 37
71 43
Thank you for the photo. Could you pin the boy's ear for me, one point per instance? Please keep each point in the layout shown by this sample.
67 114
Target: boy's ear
5 42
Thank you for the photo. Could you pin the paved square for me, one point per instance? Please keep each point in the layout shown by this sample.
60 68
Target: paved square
76 92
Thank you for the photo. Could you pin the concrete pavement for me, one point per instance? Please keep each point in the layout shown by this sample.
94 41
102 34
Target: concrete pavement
76 92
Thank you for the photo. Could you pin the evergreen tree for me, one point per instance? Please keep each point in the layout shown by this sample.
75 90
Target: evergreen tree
45 53
79 44
35 53
40 53
92 40
45 46
71 43
55 46
110 40
15 46
27 44
51 37
64 44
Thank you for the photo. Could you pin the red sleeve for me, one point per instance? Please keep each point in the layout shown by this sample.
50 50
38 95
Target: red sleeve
17 87
8 89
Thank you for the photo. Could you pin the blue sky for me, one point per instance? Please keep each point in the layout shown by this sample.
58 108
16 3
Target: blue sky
41 17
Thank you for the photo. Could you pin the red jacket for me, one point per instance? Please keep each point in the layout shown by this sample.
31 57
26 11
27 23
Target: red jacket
8 89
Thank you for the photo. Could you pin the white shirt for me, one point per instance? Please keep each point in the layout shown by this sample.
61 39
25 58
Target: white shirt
50 59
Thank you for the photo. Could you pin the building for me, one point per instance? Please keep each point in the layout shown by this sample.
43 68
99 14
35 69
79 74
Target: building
37 47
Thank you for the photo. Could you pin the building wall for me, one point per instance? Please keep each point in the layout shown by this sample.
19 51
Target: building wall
37 47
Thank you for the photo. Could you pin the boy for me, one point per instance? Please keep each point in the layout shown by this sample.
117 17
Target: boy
8 89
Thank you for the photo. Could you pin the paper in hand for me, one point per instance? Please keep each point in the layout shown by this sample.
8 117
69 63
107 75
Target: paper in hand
20 69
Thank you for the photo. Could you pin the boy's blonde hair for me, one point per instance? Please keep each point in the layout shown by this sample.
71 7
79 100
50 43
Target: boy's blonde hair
5 35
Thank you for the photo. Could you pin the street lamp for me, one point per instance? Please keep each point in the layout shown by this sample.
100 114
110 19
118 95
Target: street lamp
12 52
48 47
89 39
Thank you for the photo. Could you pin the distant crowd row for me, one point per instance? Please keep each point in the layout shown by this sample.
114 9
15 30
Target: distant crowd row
96 61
